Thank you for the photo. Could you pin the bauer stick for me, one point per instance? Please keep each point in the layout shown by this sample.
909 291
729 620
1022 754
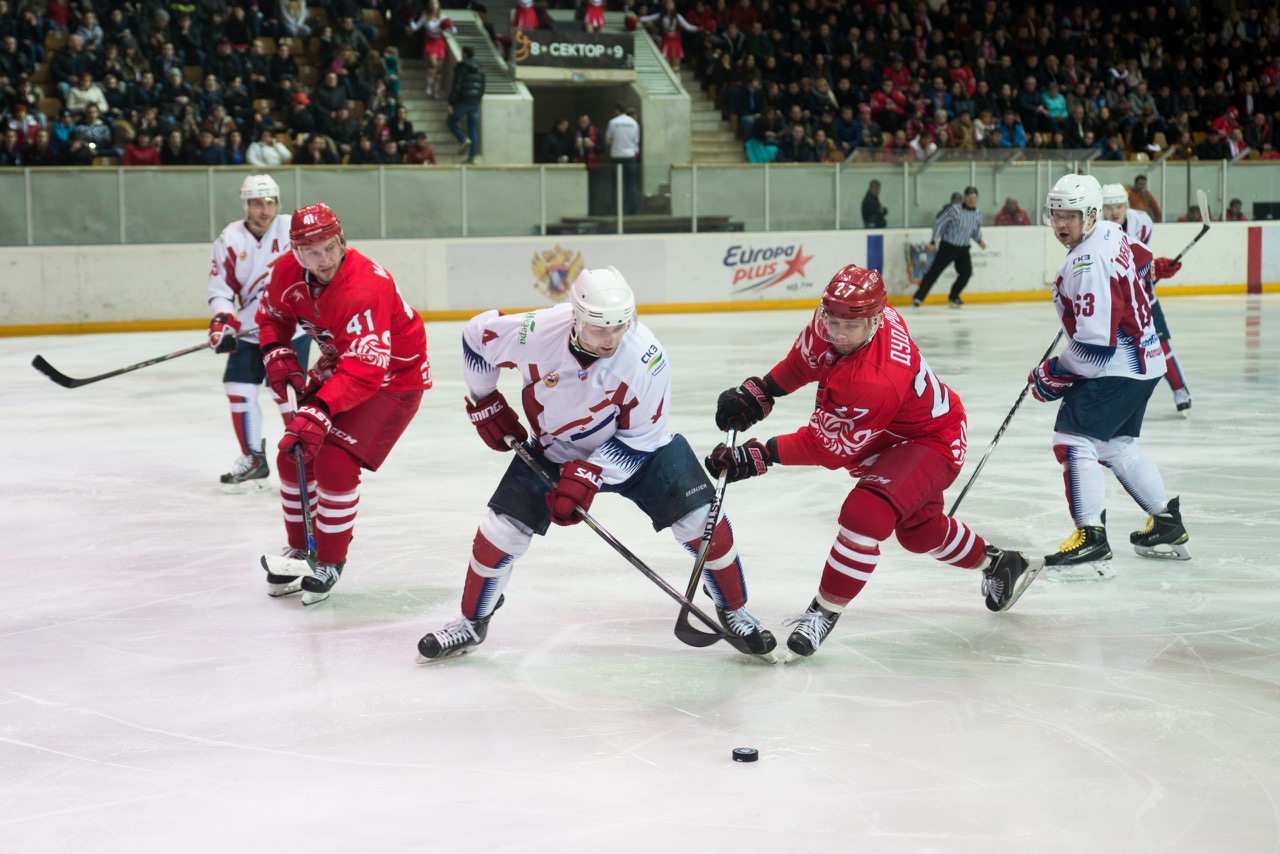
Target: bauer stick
736 642
279 564
42 365
684 631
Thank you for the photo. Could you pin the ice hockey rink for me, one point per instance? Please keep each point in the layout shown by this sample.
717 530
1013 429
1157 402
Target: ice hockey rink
156 700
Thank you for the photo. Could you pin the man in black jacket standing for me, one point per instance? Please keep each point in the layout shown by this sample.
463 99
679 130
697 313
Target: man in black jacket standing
464 103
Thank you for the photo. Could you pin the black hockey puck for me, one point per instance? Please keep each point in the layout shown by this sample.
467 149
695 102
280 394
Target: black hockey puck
745 754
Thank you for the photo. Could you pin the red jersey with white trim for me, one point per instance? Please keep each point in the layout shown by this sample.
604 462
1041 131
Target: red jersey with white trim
877 396
1100 298
1139 226
366 332
610 412
241 268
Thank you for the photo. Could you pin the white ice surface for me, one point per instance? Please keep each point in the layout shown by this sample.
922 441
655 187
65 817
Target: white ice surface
154 699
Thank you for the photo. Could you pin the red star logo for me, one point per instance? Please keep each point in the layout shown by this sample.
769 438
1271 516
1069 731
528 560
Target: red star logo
795 266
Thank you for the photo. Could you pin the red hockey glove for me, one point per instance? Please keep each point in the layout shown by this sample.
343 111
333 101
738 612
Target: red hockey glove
307 429
495 421
1166 268
579 482
1048 382
739 408
739 462
222 332
283 370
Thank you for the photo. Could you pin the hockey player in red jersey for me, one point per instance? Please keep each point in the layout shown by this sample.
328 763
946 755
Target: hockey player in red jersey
596 390
364 390
884 417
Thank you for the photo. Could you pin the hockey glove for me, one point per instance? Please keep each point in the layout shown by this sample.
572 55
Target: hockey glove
283 370
495 421
306 431
222 332
1166 268
1048 382
740 462
322 370
739 408
579 482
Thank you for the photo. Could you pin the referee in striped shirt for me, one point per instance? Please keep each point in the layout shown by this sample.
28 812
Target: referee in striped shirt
953 230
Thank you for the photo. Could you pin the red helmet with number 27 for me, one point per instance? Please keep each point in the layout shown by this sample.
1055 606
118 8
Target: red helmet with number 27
314 224
854 292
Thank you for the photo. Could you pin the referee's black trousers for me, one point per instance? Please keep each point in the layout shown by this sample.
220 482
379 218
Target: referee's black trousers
948 253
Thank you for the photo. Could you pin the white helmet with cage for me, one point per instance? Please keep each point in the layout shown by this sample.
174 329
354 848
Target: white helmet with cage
259 187
602 298
1080 193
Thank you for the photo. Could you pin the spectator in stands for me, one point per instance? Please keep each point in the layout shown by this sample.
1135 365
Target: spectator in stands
85 92
465 95
1012 133
24 123
224 63
1142 199
300 120
874 213
557 143
349 35
239 28
796 147
69 63
76 153
316 151
95 133
1146 135
344 131
173 95
15 65
1011 214
328 98
400 127
283 66
141 151
166 60
293 19
371 71
363 153
1258 134
377 129
257 72
748 106
418 153
207 151
267 150
40 152
1234 212
389 153
10 148
848 131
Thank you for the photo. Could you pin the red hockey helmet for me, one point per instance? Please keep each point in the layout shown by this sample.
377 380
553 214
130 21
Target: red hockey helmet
314 224
854 292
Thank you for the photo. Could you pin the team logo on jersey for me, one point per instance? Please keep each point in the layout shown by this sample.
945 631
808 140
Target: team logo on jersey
554 270
758 269
244 253
551 379
582 373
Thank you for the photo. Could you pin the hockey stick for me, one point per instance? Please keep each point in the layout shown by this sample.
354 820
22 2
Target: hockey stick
684 631
1202 201
279 564
982 462
41 365
736 642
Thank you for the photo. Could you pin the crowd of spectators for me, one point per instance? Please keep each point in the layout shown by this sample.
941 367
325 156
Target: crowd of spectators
204 82
821 80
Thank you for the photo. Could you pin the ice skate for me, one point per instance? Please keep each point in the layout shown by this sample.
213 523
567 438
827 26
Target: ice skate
811 628
1083 556
249 474
458 637
283 585
1164 536
316 587
955 302
742 623
1182 400
1007 576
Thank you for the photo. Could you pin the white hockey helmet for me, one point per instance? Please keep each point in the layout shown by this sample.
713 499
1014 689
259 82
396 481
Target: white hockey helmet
602 298
1075 193
1114 194
259 187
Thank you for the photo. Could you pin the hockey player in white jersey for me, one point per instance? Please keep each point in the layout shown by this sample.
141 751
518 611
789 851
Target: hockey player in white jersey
596 391
1104 377
1139 227
242 259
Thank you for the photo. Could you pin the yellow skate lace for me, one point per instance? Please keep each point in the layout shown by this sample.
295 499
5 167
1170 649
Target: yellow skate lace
1151 525
1072 542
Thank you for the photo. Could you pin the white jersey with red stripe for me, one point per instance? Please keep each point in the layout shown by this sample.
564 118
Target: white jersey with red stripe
610 412
1101 300
241 267
1139 226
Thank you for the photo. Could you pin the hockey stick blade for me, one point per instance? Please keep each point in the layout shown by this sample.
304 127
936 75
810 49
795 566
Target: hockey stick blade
1037 565
281 565
42 365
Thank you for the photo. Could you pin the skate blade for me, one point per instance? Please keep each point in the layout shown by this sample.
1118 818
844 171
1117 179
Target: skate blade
1175 551
422 659
310 598
1099 570
277 590
246 487
281 565
1024 581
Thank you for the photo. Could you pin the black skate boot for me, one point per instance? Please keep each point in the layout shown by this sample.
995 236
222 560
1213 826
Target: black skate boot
315 588
249 473
458 637
811 628
1006 577
1182 400
743 624
284 585
1164 536
1083 556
